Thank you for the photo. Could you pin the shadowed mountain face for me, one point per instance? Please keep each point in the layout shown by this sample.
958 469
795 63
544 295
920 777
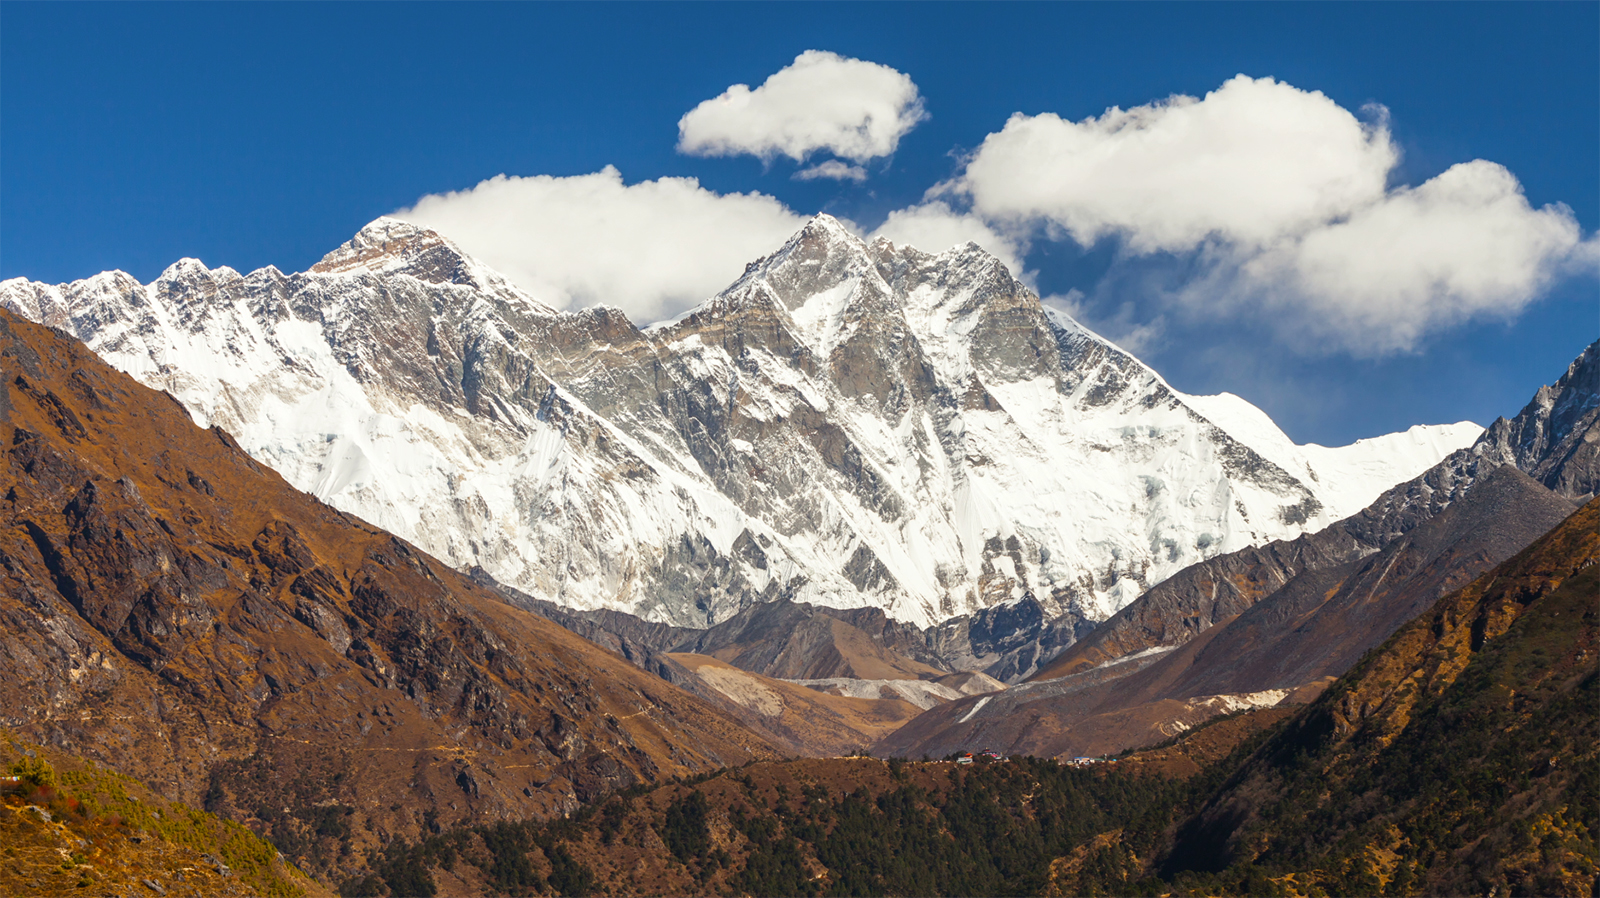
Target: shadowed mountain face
1321 624
797 640
848 424
783 639
174 609
817 681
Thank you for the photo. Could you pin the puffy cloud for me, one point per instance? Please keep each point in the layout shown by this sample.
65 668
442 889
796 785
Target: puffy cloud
651 249
1252 161
935 227
1463 245
834 169
1282 197
854 109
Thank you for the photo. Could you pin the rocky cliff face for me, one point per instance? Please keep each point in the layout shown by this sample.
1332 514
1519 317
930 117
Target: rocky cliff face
1555 438
848 424
174 609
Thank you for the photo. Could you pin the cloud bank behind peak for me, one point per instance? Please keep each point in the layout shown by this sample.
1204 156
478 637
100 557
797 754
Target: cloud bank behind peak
1275 206
650 249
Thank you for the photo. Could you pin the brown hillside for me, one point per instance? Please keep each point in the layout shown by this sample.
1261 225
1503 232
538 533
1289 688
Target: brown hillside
173 609
1457 758
805 721
1425 658
1200 596
1205 745
1555 439
783 639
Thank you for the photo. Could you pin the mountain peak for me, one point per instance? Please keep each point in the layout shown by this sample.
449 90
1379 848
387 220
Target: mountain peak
841 425
183 266
823 235
818 257
823 222
391 246
385 244
1552 437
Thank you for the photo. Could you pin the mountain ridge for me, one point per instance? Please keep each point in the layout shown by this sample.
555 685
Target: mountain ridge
1469 736
1223 633
1193 600
847 424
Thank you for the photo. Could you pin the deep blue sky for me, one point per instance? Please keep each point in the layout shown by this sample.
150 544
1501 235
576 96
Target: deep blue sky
246 134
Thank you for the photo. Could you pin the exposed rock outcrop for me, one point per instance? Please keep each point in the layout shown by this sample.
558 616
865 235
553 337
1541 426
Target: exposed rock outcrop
1553 439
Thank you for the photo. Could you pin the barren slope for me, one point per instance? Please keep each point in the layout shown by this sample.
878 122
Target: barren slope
1458 758
806 722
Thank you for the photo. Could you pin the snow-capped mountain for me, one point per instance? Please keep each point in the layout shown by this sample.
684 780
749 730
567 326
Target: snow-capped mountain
848 424
1346 478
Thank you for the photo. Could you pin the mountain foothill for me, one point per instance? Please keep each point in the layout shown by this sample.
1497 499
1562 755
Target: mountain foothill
872 574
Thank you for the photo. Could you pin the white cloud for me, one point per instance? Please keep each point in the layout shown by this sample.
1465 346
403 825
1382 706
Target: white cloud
834 169
1282 196
1463 245
1585 258
1252 161
651 249
934 227
854 109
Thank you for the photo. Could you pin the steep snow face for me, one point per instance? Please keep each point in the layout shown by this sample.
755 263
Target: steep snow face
847 424
928 440
1346 478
